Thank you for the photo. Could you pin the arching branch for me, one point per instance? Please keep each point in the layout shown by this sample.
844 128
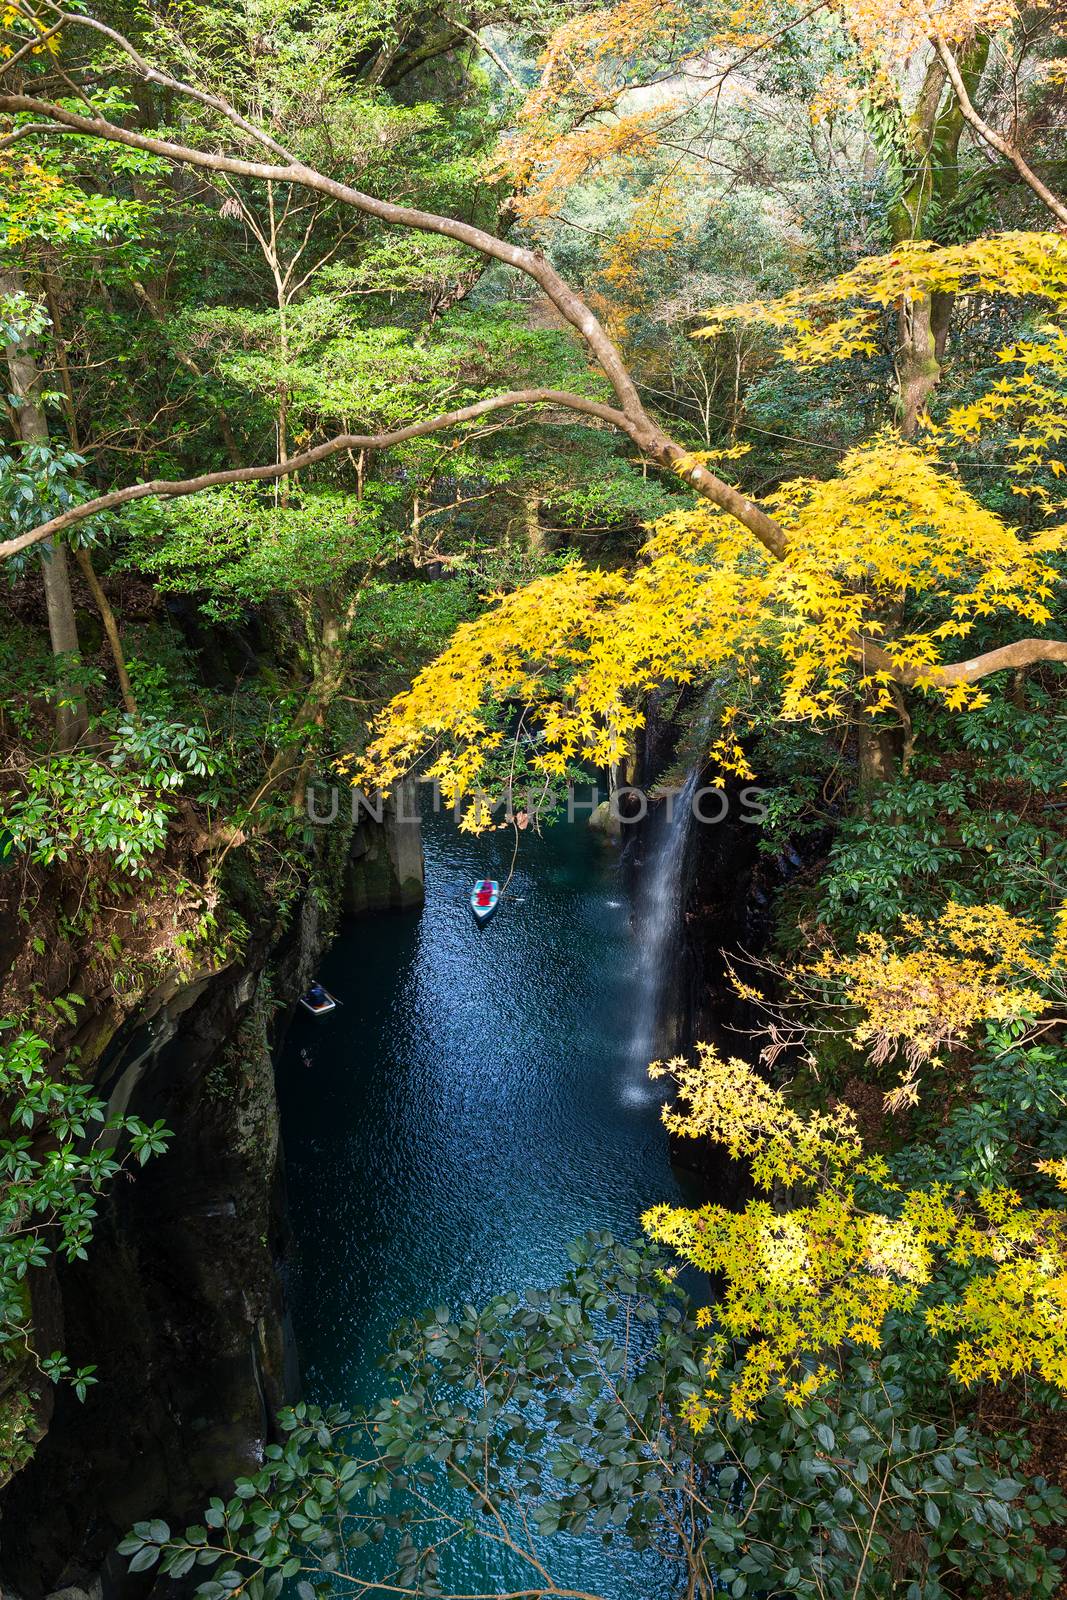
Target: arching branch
570 305
1023 653
171 488
495 57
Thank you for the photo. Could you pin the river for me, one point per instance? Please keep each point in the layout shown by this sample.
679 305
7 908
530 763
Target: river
475 1103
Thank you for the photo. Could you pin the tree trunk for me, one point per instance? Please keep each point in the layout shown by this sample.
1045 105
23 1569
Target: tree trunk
81 554
923 321
918 368
879 752
933 136
111 629
71 715
326 644
531 517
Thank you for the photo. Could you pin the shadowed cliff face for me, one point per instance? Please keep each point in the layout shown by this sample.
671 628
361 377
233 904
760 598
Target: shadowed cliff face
180 1304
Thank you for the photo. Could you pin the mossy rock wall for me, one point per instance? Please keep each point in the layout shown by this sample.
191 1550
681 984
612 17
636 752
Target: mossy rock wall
385 869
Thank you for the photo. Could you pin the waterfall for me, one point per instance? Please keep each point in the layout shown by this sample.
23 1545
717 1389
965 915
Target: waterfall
658 919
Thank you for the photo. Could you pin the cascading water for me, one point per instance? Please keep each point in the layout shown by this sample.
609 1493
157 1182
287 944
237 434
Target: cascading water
658 918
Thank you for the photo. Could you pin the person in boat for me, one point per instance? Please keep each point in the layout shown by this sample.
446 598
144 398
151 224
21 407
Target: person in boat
317 995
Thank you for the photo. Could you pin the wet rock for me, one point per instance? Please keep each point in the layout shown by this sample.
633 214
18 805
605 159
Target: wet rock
606 820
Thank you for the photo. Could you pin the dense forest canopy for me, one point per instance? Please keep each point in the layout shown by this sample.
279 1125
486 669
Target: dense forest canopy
444 391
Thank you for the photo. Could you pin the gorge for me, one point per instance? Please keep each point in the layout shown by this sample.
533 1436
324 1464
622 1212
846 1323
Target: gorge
414 1156
410 404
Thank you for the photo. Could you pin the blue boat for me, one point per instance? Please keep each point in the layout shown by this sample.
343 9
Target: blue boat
484 898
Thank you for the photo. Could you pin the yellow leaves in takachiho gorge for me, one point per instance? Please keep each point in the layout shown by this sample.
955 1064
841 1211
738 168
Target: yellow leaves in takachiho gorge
802 1279
657 223
19 25
840 319
894 524
582 649
884 28
834 320
926 992
34 199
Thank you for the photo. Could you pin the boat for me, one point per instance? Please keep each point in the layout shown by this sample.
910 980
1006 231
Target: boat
485 897
318 1000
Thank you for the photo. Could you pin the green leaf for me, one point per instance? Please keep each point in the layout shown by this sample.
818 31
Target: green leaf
146 1557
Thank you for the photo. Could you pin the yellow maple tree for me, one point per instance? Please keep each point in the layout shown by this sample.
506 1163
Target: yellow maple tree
894 524
827 1268
582 649
927 991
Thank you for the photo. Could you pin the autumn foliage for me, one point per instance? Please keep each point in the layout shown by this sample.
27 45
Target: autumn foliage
853 1249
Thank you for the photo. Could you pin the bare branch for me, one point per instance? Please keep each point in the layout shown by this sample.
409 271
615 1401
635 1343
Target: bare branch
1023 653
531 262
152 74
494 56
994 139
170 489
631 417
651 438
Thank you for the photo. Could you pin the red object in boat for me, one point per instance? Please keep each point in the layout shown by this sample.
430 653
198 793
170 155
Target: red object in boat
484 898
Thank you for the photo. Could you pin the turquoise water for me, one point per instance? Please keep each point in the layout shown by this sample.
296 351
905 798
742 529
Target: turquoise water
472 1106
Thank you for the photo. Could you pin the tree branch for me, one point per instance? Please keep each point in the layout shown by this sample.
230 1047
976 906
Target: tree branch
1023 653
994 139
171 489
494 56
569 304
68 19
637 423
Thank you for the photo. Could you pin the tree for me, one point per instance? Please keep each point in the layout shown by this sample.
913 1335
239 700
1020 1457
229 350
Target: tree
574 1411
774 535
29 415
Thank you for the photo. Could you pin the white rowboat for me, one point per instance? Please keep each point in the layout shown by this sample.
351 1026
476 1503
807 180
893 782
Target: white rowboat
318 1000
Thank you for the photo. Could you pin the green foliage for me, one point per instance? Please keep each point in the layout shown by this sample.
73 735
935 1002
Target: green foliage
36 483
559 1413
82 805
1013 1106
58 1155
399 623
864 1494
236 547
22 320
977 817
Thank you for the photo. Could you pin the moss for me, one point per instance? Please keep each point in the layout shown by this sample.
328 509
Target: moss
329 874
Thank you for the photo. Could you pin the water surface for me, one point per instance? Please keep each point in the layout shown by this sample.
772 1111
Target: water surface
473 1105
